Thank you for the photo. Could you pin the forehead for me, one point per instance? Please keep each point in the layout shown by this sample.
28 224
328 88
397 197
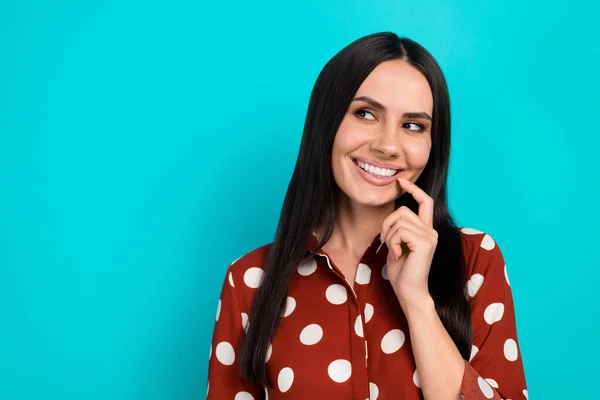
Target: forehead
400 87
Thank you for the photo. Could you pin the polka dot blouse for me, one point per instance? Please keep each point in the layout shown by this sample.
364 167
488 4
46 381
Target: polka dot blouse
339 341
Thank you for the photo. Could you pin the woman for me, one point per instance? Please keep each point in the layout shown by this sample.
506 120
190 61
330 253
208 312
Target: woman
370 290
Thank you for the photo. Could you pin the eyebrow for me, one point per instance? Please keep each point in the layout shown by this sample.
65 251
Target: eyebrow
381 107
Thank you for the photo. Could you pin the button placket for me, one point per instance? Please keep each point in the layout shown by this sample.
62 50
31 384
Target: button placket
363 283
340 275
360 383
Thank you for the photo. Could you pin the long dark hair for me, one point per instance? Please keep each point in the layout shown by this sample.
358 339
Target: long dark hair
312 193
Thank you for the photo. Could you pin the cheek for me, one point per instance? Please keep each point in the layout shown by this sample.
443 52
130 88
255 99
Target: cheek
418 153
348 138
346 141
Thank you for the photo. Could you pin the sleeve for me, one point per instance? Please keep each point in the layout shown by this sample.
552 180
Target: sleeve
224 378
495 369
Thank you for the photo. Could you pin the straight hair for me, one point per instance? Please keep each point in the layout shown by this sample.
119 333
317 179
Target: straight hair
312 194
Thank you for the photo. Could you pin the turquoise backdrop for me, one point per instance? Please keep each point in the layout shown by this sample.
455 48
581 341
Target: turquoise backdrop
144 145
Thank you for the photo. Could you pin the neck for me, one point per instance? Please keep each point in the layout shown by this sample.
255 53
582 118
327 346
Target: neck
355 226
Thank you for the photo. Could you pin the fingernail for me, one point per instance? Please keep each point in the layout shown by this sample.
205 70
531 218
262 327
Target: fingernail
381 237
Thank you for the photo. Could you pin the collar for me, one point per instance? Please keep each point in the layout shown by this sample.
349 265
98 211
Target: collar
371 255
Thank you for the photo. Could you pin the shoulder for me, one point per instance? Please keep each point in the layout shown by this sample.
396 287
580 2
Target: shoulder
255 255
254 258
473 239
482 252
245 274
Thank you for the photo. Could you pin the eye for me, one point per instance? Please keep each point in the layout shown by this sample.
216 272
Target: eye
361 111
420 128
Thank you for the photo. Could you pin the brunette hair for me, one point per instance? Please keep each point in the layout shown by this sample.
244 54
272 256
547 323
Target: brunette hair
312 193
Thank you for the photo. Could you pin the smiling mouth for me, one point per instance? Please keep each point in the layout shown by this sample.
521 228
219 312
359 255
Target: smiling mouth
376 171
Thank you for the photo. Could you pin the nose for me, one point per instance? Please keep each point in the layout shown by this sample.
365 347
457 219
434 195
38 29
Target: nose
387 143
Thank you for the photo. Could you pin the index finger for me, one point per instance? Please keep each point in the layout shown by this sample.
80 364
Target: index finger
425 202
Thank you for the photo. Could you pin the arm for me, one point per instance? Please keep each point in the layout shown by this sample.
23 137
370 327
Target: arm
496 369
224 379
439 363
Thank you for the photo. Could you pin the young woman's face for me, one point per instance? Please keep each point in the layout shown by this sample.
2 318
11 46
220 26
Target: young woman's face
388 124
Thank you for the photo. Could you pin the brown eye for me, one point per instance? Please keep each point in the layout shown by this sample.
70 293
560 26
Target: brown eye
419 127
361 112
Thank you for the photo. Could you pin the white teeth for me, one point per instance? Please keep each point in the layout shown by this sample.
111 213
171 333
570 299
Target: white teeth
382 172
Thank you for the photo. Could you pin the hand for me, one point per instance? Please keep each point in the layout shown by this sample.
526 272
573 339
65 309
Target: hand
411 242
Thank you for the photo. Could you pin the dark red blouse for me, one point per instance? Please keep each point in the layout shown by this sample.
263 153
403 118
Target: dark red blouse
339 342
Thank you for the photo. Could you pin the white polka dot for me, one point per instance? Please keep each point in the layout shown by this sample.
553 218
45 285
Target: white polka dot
285 379
470 231
358 327
373 391
243 396
308 266
368 312
525 394
416 379
245 321
363 274
366 350
510 350
290 306
392 341
340 370
225 353
218 309
384 273
506 275
474 284
485 388
474 351
266 394
311 334
492 382
231 280
336 294
493 313
253 277
487 242
269 352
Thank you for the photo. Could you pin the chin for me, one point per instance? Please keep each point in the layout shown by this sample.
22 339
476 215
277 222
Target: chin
373 200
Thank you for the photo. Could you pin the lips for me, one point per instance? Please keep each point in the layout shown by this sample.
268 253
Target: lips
377 164
374 179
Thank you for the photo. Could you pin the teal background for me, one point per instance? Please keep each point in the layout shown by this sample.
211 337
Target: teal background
146 145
